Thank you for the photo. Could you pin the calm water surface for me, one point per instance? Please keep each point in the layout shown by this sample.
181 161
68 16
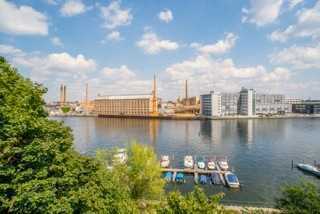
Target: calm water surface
260 151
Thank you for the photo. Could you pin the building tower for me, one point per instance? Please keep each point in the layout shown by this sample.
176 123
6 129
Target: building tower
61 94
186 90
64 93
154 98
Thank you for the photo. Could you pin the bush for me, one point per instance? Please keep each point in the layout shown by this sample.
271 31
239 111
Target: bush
303 198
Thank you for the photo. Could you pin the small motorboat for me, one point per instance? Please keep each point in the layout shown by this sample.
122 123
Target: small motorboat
164 161
201 164
188 161
223 164
215 178
121 156
211 164
168 176
231 180
203 179
309 168
180 178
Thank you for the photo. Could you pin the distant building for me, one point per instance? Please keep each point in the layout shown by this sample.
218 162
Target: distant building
271 104
229 103
307 107
247 102
144 105
216 104
206 105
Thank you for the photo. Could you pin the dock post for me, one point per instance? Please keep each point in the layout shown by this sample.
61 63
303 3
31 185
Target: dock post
291 164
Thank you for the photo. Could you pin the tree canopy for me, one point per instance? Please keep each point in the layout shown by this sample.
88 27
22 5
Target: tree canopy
39 170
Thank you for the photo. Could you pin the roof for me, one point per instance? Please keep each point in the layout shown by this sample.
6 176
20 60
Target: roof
124 97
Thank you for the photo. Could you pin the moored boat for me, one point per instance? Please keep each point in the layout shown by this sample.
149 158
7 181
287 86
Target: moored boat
164 161
201 164
168 176
188 161
231 180
309 168
223 164
203 179
215 178
121 156
211 164
180 178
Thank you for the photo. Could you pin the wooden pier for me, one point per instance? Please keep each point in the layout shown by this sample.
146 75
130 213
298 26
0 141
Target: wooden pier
195 171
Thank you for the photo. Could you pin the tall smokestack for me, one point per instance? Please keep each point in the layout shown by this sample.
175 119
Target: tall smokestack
61 93
186 89
64 94
87 94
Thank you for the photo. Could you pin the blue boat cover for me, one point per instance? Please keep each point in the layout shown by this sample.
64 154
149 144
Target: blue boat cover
232 178
203 179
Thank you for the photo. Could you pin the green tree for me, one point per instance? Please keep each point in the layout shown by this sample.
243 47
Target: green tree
39 170
141 172
65 109
194 202
300 198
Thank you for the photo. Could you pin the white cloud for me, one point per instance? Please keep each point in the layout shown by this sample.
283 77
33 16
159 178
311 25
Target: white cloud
114 16
298 57
72 8
52 2
21 20
8 50
220 47
293 3
307 25
114 36
151 44
262 12
205 73
121 73
56 41
166 16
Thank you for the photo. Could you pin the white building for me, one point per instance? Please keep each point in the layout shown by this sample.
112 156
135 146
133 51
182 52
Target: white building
216 104
247 102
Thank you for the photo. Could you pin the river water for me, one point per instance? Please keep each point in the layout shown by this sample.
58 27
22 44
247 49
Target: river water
260 151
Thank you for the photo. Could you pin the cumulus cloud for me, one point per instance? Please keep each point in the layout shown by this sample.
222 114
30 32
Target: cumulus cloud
220 47
206 73
121 73
298 57
56 41
166 16
114 16
294 3
262 12
307 25
72 8
151 44
9 50
21 20
114 36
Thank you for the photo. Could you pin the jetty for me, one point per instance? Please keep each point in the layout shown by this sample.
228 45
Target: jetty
195 171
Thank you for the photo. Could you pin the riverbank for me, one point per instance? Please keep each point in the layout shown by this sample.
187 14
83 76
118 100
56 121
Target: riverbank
192 117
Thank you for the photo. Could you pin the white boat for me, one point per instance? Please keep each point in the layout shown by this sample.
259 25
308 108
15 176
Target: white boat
231 180
164 161
223 164
211 164
309 168
121 156
201 164
188 161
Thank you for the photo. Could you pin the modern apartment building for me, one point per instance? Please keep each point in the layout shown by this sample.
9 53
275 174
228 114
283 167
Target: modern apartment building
307 107
247 102
229 103
272 104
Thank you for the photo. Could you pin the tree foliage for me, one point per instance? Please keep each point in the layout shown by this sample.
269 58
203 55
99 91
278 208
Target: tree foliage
39 170
194 202
300 198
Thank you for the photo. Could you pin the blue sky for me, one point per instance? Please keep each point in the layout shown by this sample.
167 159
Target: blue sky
117 46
